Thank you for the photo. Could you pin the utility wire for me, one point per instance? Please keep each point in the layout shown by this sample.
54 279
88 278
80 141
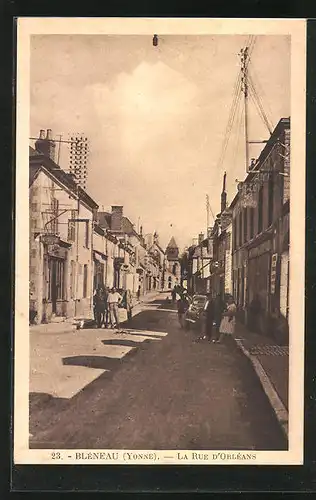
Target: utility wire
239 128
262 98
236 99
260 106
232 114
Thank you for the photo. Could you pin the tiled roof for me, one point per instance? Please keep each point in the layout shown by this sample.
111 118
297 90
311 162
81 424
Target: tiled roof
38 161
172 243
104 220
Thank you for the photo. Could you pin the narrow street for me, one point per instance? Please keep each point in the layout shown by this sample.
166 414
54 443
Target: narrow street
151 387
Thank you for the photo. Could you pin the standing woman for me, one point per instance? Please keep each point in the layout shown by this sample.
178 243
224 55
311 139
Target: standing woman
227 326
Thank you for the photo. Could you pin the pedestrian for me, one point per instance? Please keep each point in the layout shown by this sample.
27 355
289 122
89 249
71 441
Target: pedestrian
182 306
114 299
99 307
138 292
107 311
218 309
128 303
227 326
173 295
209 317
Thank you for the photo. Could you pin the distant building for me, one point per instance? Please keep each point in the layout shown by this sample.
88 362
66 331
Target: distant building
173 267
156 256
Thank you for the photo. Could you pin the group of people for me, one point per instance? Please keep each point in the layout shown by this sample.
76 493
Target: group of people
220 318
106 304
219 314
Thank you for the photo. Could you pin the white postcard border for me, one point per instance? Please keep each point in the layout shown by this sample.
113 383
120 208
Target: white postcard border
296 28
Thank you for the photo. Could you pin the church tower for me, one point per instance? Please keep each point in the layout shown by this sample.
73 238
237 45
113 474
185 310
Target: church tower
173 263
172 250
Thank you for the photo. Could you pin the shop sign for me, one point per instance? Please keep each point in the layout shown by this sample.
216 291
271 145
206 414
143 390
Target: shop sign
247 195
274 260
260 249
57 251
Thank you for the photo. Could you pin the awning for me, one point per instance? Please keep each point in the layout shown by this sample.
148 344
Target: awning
99 256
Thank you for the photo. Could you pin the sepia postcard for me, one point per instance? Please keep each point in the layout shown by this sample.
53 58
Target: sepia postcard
160 241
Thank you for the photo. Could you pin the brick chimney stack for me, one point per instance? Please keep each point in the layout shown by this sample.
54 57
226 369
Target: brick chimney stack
45 144
201 238
117 217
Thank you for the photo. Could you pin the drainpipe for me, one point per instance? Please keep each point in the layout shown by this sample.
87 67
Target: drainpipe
77 252
91 264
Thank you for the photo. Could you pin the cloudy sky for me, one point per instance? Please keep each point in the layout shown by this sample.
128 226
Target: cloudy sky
155 117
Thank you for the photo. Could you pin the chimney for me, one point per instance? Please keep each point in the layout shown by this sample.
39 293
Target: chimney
46 145
201 238
209 231
224 194
117 217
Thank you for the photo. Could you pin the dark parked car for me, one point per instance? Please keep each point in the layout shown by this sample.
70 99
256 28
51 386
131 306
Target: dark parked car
194 315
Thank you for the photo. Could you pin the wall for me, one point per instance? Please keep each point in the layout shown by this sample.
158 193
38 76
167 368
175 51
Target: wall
43 190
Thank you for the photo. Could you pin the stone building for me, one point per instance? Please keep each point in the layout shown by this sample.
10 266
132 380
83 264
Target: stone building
172 265
260 252
60 238
127 271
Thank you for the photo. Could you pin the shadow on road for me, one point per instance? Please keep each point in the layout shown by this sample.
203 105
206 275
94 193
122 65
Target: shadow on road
41 407
38 399
125 343
98 362
147 321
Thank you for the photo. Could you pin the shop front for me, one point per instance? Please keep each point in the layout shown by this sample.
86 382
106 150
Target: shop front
259 285
55 280
99 266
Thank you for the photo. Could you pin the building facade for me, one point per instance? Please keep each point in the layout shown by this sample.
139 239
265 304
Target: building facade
60 240
260 258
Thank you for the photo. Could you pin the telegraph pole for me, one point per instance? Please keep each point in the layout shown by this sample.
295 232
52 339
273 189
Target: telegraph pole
244 88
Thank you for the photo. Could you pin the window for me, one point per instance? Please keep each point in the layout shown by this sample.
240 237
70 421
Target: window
85 280
73 279
60 288
252 222
72 226
245 224
234 234
54 214
87 234
56 279
270 200
260 210
240 229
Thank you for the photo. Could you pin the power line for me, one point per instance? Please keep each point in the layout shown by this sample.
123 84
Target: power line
260 105
236 98
260 90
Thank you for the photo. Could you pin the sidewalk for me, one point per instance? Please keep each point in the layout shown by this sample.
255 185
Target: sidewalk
271 363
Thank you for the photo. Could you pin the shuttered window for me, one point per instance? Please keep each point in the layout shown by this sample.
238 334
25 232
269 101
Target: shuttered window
72 226
85 280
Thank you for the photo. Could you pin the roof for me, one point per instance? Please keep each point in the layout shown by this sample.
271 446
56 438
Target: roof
104 220
172 243
128 226
283 124
37 161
